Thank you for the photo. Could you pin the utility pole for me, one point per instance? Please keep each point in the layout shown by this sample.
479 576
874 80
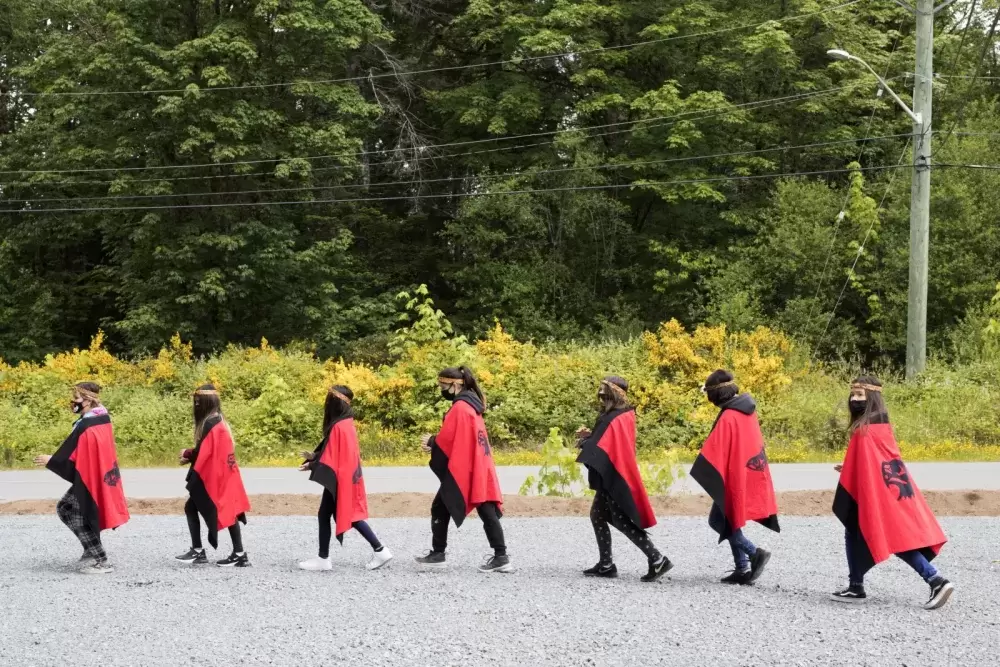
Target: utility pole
920 190
920 193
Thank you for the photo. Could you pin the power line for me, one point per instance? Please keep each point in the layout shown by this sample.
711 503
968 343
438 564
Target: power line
397 74
714 112
847 195
861 248
527 172
618 186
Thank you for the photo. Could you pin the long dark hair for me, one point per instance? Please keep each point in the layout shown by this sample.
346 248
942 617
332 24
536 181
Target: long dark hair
336 407
720 387
875 410
613 393
468 381
206 404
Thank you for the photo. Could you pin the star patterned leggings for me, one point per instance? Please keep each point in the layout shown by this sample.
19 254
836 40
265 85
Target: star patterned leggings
605 512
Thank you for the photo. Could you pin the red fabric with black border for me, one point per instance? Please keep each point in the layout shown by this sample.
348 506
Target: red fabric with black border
878 499
89 460
733 469
609 453
338 469
215 482
462 459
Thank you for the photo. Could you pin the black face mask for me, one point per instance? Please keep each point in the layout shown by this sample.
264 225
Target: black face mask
77 408
857 407
448 396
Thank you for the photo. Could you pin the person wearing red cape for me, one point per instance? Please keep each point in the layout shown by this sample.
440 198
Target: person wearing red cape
336 465
214 482
878 502
462 459
608 452
88 460
732 468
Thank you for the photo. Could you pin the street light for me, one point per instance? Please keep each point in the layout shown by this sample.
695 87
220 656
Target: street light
840 54
920 191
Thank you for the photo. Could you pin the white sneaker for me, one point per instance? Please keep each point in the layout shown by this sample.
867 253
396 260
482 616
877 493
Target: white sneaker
379 558
96 568
316 564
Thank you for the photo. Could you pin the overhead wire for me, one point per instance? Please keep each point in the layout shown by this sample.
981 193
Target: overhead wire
435 70
715 111
471 177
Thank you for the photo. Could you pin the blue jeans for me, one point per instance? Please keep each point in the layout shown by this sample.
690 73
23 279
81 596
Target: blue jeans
741 547
913 558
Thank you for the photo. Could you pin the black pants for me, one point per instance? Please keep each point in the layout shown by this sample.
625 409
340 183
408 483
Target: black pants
603 512
488 512
194 525
327 507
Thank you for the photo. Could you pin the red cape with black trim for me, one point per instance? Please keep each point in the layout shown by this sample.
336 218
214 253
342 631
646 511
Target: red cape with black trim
733 469
462 459
337 466
878 500
89 461
609 454
214 480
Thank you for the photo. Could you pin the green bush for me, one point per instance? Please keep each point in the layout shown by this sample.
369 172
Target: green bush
273 398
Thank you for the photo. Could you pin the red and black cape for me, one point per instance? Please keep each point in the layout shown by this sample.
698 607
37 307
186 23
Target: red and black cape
733 469
214 480
609 454
337 466
461 458
879 502
88 460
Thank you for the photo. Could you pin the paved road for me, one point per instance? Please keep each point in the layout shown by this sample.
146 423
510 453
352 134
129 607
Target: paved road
169 482
153 611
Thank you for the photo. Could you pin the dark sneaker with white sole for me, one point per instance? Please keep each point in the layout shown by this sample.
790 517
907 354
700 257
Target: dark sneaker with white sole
193 557
97 567
941 590
602 571
657 569
737 577
235 560
497 564
757 564
432 559
852 593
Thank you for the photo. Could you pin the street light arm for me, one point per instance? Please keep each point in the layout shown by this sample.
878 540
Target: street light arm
885 86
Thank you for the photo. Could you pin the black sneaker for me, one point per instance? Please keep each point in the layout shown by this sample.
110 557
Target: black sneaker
235 561
737 577
193 557
757 564
852 593
497 564
657 569
432 559
603 571
941 590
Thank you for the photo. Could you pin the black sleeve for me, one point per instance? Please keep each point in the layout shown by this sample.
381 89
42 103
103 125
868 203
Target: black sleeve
60 462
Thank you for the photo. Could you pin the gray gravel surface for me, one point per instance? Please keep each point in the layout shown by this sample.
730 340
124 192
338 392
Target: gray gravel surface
152 611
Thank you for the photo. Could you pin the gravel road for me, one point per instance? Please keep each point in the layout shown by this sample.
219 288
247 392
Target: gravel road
152 611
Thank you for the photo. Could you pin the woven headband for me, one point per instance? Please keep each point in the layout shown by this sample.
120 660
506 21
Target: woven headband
866 387
85 393
615 388
206 392
731 383
334 392
457 381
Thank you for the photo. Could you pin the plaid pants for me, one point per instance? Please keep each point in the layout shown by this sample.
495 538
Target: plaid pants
68 509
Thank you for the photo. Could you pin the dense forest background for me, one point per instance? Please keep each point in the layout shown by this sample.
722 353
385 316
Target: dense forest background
577 169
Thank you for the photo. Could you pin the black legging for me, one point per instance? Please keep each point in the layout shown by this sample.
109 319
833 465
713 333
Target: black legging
327 506
488 512
604 511
194 525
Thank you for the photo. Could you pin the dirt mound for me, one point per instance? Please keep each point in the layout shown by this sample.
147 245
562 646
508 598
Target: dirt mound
791 503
